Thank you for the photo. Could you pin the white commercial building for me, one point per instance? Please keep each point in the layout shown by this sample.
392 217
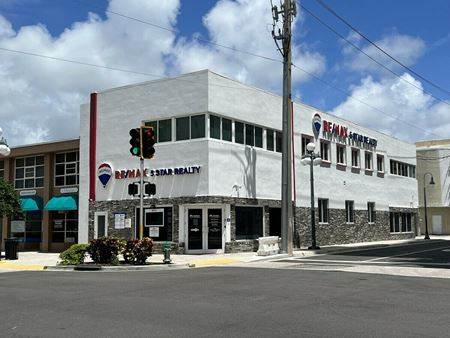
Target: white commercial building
217 169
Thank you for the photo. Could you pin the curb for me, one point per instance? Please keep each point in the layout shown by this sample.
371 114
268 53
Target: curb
114 268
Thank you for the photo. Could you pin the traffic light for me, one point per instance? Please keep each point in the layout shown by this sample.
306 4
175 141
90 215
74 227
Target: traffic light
150 189
135 142
133 189
147 142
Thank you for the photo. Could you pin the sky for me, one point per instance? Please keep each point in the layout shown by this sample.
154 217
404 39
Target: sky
40 95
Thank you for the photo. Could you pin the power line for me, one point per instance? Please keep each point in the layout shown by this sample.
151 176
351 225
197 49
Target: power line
370 57
349 95
198 38
329 9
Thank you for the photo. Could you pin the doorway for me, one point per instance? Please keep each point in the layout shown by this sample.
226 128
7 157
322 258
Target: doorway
204 229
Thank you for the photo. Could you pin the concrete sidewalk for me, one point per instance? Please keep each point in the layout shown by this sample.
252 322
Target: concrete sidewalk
40 261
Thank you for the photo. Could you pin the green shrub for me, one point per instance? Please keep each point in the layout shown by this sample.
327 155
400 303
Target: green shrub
105 250
137 251
74 255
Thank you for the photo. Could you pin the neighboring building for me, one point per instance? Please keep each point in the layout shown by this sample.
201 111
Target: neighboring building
433 158
46 178
217 169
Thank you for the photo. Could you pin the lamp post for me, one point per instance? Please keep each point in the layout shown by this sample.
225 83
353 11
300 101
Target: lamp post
4 149
425 202
312 159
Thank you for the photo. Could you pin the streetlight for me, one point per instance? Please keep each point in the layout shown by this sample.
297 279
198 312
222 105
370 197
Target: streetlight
425 202
312 159
4 149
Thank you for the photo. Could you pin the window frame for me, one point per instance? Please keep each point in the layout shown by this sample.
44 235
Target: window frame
379 156
368 160
323 210
358 158
65 174
26 168
328 150
305 137
343 147
371 213
350 212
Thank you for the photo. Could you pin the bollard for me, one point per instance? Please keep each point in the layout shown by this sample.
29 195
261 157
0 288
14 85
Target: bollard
166 250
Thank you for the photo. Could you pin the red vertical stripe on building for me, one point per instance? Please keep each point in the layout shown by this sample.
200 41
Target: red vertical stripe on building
92 146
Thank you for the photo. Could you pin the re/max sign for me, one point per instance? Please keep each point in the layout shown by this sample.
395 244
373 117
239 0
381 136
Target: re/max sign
133 173
341 131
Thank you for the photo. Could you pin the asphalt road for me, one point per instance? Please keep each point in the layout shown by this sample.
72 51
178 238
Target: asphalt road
221 302
425 253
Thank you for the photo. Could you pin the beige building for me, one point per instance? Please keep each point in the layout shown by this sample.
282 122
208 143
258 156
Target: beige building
433 160
46 178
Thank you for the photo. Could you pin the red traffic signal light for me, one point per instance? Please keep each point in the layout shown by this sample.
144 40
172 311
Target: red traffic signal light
135 142
147 142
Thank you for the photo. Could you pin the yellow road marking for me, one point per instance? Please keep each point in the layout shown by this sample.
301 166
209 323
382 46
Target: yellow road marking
15 266
218 261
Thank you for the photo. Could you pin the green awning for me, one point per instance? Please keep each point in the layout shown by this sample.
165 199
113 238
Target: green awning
62 203
31 203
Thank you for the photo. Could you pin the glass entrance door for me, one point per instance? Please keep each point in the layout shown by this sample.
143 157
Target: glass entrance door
204 230
195 229
214 229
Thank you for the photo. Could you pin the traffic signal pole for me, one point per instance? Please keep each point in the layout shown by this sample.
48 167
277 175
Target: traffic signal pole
141 196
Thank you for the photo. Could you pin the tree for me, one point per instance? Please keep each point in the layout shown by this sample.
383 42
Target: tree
9 200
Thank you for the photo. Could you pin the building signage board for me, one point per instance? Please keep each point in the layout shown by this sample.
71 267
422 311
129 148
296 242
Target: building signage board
133 173
331 129
68 190
27 192
17 226
119 220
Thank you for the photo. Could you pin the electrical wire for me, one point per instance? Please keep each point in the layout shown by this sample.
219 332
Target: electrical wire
347 23
370 57
350 96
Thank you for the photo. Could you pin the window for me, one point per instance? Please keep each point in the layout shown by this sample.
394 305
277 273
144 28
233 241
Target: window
29 172
2 169
182 124
355 158
258 137
325 150
65 226
249 222
412 171
323 210
164 131
371 212
350 211
368 160
340 154
305 141
226 129
380 163
402 169
239 132
160 217
67 169
197 126
269 139
214 127
27 228
249 135
279 141
400 222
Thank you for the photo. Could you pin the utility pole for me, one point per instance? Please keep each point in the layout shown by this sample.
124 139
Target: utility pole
288 12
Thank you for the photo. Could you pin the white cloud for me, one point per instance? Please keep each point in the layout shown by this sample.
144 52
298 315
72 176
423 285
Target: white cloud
416 114
244 25
405 48
40 98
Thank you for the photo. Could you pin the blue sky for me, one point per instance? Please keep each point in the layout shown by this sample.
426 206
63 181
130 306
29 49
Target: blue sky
38 96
